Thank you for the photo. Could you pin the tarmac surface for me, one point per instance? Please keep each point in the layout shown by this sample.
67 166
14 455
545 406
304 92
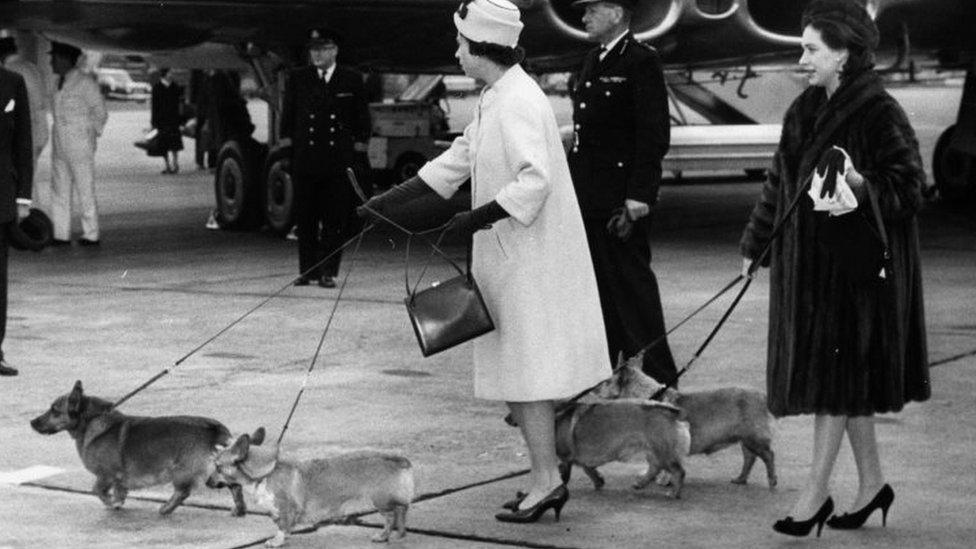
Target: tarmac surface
161 285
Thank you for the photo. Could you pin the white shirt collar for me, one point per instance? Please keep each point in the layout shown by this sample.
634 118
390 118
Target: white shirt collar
610 45
327 73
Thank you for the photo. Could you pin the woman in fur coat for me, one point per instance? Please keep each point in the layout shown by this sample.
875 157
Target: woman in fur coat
842 347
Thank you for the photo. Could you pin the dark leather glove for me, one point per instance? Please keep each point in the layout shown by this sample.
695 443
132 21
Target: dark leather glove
465 224
396 196
830 165
620 224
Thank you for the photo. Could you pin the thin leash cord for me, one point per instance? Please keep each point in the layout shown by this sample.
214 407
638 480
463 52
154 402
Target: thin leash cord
662 337
318 348
777 230
239 319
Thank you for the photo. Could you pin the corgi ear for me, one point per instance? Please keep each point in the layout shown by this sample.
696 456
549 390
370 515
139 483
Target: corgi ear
258 437
240 448
75 397
637 361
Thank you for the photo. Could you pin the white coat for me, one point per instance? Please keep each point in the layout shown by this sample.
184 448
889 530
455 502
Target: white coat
533 268
79 117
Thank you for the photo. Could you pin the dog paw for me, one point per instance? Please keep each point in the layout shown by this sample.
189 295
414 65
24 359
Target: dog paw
238 512
277 541
381 538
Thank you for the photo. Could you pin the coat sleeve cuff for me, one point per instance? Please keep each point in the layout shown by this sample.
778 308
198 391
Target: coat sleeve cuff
25 202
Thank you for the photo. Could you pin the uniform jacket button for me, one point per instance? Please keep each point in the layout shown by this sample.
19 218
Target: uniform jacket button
582 105
332 116
608 93
620 164
331 143
588 83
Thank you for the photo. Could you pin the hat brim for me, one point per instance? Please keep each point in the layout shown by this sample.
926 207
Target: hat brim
32 233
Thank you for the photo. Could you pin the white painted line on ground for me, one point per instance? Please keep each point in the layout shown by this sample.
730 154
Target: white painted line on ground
32 473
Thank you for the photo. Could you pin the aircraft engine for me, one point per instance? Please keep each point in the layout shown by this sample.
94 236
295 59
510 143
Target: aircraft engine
652 18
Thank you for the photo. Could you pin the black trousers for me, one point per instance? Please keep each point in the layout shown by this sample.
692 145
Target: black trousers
629 297
325 217
4 253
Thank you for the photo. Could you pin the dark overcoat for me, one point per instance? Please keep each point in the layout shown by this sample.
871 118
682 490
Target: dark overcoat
621 128
165 115
837 346
16 150
323 120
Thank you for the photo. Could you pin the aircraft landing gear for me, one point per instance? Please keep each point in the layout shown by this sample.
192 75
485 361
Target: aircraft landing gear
954 159
236 186
954 170
279 193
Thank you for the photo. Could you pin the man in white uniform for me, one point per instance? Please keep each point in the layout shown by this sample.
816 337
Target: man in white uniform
79 117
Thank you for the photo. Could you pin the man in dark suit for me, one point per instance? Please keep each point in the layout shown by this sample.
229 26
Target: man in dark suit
16 175
326 117
621 133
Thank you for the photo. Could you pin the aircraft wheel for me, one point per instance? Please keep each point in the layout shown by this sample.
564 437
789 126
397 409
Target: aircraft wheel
236 188
279 194
407 166
954 171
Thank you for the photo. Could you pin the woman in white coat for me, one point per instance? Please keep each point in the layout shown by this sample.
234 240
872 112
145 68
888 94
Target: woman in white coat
529 252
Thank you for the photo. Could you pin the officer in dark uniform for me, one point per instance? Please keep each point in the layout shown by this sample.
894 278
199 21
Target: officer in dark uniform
16 176
622 131
326 116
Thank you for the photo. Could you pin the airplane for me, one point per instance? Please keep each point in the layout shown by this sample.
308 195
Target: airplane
252 185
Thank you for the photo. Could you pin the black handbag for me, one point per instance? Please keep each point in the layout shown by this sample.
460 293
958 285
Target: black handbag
447 313
860 247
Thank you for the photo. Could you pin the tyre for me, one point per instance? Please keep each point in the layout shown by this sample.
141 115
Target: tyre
954 171
236 187
279 193
407 166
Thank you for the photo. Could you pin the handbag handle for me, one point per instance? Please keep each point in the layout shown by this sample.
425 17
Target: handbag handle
435 250
435 247
882 234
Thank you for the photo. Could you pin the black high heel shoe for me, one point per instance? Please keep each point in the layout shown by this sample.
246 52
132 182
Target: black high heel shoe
512 504
850 521
554 500
801 528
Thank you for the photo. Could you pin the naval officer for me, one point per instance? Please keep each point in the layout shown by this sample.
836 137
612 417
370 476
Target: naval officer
326 116
621 133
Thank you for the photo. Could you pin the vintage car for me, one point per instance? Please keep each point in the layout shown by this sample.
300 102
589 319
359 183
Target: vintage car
118 84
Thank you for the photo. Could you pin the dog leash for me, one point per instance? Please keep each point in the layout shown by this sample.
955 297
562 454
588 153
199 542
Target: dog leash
777 230
166 371
318 348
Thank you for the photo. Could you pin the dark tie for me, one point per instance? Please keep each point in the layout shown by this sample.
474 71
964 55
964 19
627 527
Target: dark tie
60 82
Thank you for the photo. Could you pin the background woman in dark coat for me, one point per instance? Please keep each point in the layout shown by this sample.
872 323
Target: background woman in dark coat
842 348
167 97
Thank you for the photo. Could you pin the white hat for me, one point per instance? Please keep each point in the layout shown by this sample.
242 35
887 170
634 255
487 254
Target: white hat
493 21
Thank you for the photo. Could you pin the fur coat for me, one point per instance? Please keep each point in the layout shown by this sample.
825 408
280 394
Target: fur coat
837 346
